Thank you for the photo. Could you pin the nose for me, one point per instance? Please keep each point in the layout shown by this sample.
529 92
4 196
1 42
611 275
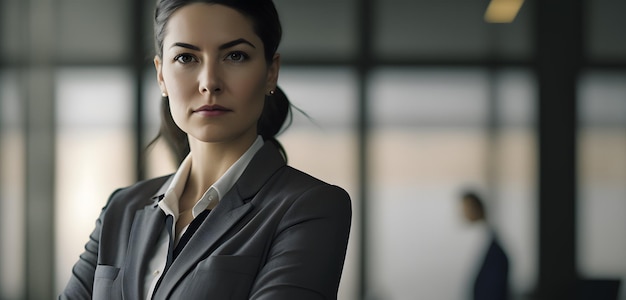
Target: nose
209 81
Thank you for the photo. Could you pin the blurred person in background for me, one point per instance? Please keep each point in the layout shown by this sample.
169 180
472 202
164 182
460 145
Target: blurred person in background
491 281
234 221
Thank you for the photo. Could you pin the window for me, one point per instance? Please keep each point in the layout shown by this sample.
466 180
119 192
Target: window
601 176
430 141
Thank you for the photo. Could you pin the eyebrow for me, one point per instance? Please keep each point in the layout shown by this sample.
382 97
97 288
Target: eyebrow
185 45
221 47
235 43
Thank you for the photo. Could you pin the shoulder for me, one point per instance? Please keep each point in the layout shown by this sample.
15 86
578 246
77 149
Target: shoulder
294 199
496 251
267 175
297 187
298 179
301 176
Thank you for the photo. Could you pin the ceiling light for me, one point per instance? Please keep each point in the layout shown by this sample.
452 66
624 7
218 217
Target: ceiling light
503 11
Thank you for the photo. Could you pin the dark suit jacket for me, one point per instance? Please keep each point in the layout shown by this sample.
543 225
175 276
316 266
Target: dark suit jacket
492 280
277 234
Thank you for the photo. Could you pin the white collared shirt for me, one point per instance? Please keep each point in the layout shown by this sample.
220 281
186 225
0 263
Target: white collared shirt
169 205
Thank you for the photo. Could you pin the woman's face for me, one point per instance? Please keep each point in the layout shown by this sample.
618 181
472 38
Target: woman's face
470 211
214 71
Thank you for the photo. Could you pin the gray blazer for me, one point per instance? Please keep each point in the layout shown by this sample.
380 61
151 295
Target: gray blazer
277 234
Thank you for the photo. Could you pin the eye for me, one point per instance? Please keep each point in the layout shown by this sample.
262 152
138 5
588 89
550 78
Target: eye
237 56
184 58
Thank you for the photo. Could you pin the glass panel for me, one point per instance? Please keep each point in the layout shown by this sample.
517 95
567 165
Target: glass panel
94 153
602 174
447 29
513 175
326 95
318 29
435 97
430 141
324 145
10 38
514 90
12 160
606 23
91 30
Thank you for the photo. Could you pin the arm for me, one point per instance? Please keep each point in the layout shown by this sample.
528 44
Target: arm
306 257
80 285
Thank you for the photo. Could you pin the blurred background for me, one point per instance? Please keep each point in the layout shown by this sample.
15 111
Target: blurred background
410 102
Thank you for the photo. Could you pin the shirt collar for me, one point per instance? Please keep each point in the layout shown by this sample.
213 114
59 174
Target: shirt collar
210 198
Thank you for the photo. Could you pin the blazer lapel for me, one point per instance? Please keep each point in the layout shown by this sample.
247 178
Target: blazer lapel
226 215
146 229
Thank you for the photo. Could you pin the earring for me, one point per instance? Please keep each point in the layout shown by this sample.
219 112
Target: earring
164 94
272 92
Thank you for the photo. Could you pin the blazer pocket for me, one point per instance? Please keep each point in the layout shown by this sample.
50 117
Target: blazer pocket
222 277
103 282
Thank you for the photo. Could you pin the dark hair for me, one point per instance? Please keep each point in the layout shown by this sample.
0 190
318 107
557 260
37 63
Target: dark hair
266 24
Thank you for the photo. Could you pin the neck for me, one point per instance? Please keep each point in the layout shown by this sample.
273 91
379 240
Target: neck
209 161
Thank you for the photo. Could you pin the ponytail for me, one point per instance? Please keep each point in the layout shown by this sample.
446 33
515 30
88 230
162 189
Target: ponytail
275 118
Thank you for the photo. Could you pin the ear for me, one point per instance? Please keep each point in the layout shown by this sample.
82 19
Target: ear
158 65
272 73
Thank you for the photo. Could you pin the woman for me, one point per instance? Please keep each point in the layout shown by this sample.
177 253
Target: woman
234 221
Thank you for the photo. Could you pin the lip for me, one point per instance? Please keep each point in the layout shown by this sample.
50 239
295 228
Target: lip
211 110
